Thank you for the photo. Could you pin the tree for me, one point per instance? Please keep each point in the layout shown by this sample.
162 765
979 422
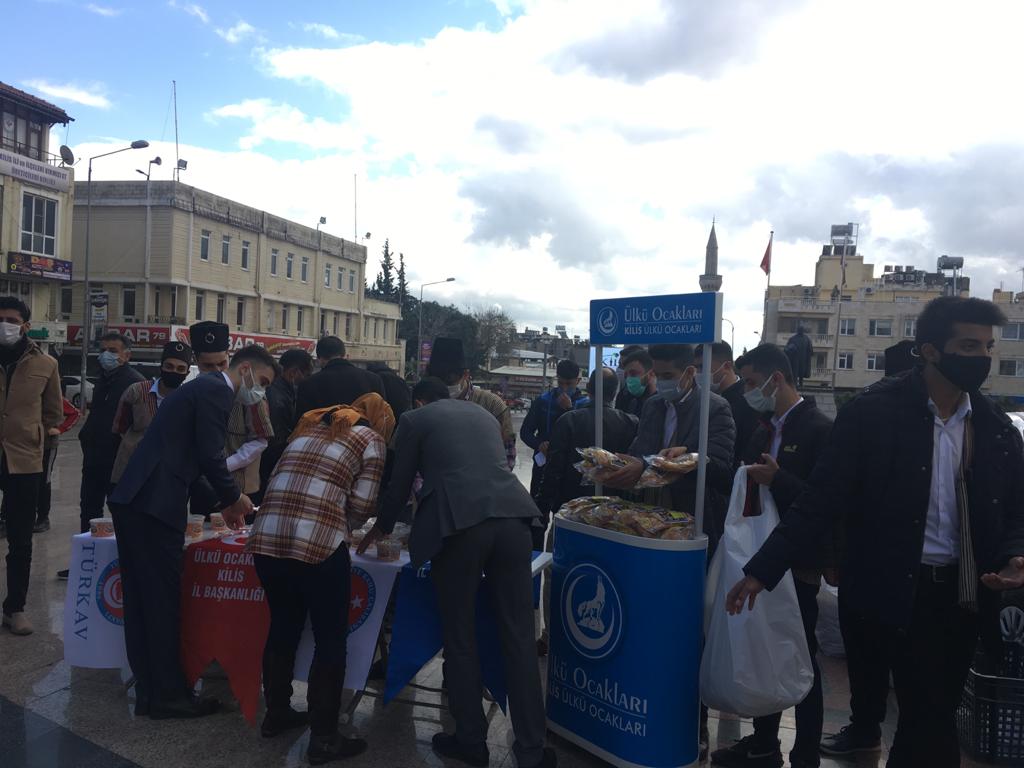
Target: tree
496 333
403 285
385 288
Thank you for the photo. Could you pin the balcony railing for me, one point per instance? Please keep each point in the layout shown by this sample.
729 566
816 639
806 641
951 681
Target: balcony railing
817 339
35 153
807 305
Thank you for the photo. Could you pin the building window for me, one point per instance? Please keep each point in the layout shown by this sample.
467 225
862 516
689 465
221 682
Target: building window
910 328
336 323
298 319
156 302
174 304
245 254
240 312
200 305
327 276
341 279
1011 368
348 325
351 281
289 265
128 301
880 327
304 272
375 329
273 261
38 225
848 326
284 317
204 245
876 361
323 323
366 328
845 361
1013 331
225 249
221 302
65 301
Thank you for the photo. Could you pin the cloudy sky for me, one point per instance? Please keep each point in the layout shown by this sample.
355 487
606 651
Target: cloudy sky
545 152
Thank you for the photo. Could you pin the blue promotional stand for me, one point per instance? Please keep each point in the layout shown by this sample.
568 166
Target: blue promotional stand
626 628
627 613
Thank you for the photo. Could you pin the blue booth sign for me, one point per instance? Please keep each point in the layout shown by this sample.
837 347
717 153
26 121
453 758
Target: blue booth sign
626 627
686 318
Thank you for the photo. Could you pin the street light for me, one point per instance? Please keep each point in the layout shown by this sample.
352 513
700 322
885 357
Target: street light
149 233
86 306
419 333
732 333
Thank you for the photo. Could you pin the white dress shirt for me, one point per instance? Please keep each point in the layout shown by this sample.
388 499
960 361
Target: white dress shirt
155 389
942 528
672 420
777 422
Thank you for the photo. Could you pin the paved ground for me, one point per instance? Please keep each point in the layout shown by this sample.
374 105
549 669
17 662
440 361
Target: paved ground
52 716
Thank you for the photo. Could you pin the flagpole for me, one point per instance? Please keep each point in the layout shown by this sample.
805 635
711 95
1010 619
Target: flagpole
764 326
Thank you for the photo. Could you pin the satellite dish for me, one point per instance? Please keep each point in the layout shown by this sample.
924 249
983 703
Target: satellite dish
66 155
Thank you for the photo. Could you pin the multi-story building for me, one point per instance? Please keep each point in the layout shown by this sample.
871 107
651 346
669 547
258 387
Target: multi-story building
164 255
36 200
1007 377
852 316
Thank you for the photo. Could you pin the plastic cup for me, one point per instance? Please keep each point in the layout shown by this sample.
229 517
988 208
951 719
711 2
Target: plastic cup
218 524
194 529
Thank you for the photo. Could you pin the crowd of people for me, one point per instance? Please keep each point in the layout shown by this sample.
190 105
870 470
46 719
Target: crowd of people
912 502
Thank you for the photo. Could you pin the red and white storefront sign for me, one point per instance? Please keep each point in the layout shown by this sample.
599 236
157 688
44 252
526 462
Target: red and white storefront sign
155 336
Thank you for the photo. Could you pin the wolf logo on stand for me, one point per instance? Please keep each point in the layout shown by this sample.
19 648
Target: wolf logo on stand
589 611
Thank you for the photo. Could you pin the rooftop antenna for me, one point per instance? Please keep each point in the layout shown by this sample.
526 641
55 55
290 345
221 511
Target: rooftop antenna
355 208
177 158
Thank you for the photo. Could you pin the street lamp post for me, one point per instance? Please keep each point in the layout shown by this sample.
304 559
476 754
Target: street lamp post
86 306
732 333
419 333
149 234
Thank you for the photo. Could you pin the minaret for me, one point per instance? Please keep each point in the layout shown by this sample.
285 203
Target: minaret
711 281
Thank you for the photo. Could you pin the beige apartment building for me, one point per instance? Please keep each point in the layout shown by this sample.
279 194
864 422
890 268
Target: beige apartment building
164 255
852 316
36 201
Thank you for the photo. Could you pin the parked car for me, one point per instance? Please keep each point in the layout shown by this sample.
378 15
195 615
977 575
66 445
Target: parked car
73 390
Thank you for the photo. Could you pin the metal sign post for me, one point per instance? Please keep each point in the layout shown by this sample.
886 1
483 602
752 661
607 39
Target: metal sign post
688 318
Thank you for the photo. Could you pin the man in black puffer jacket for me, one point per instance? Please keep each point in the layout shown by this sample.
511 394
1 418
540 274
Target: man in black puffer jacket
926 477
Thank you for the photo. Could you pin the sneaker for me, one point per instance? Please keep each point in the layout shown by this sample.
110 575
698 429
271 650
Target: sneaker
41 526
18 623
748 752
850 740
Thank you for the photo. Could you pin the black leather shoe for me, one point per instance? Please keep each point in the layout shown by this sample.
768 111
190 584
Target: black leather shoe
186 707
447 745
338 747
277 722
41 526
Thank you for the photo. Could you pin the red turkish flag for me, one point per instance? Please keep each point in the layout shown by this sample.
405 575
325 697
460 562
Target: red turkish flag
766 262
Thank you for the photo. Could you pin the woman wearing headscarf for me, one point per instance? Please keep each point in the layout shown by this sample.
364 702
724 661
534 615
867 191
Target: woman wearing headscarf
324 486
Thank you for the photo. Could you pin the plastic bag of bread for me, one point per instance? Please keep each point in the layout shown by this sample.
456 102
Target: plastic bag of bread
595 460
687 462
622 516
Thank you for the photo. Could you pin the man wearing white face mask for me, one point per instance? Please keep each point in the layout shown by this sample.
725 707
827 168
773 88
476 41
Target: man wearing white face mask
97 437
726 383
30 405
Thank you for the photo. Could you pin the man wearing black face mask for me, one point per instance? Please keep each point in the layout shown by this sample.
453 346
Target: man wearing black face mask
139 402
926 477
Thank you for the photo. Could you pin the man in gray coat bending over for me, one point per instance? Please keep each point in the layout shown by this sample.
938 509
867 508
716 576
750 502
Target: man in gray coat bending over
473 518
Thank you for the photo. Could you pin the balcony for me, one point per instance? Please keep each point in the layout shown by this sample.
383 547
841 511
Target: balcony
807 306
35 153
824 340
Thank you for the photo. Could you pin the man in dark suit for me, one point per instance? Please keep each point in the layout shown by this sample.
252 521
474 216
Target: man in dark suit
396 391
98 439
925 476
726 383
473 518
185 441
781 454
338 382
296 367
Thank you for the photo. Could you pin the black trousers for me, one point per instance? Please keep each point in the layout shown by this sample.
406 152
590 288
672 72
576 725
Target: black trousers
150 554
500 549
929 664
296 589
810 713
20 498
868 671
92 496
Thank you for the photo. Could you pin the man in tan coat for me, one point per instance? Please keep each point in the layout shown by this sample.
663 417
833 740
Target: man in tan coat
30 405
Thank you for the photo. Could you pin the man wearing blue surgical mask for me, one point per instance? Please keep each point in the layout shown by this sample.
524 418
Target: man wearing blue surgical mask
638 382
726 383
98 439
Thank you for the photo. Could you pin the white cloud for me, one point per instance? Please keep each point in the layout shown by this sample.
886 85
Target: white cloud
90 96
102 10
324 30
192 9
237 33
515 161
